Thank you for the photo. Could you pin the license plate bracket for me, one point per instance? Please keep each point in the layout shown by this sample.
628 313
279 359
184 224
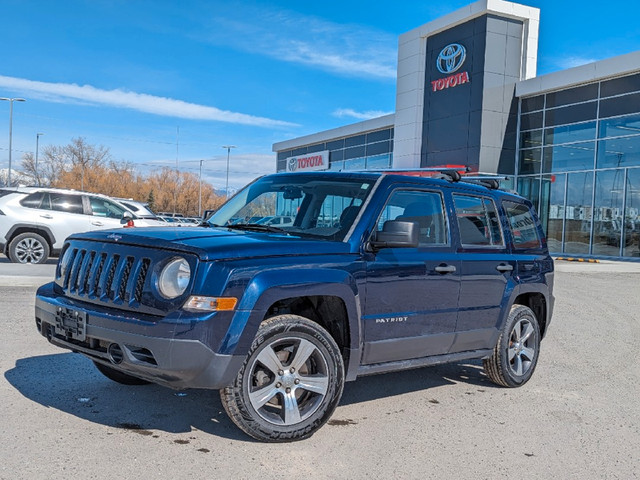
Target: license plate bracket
71 323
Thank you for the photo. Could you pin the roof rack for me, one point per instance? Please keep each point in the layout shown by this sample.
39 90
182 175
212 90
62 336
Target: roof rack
492 182
452 173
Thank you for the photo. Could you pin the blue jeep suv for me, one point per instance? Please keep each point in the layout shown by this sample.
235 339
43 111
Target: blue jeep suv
377 272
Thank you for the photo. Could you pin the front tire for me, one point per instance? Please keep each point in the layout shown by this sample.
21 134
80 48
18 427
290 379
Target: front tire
118 376
28 247
290 382
515 356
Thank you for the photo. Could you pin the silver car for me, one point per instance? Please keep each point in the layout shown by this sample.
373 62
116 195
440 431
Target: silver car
34 221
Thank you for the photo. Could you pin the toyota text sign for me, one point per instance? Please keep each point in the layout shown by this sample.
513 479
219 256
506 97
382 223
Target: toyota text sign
310 161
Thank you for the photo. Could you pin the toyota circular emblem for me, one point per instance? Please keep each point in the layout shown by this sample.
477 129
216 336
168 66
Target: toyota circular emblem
293 164
451 58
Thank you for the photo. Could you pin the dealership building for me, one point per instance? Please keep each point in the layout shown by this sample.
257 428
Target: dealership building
467 94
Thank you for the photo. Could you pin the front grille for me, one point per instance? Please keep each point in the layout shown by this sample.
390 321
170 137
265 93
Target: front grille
95 275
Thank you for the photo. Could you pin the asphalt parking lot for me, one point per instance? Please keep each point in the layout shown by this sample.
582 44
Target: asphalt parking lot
577 417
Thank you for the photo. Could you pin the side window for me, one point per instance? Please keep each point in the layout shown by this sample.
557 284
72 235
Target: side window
33 200
63 202
478 221
423 208
101 207
523 226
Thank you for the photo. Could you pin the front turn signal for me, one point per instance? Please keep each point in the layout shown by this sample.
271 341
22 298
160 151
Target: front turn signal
210 304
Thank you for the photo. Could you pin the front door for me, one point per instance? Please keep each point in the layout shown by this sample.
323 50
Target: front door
412 293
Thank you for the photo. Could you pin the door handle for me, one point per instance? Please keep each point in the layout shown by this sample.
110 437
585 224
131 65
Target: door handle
504 268
97 224
47 216
445 268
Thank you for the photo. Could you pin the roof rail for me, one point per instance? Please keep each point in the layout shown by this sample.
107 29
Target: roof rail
492 182
452 173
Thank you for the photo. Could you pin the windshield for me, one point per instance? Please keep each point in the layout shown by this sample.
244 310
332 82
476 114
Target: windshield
302 205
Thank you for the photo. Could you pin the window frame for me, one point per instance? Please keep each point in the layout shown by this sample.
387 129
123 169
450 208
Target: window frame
483 200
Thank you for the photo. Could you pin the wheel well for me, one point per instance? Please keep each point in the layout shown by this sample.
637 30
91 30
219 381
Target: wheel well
538 305
330 312
19 230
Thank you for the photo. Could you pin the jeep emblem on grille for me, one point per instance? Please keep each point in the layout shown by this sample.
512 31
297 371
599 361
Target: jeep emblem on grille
115 236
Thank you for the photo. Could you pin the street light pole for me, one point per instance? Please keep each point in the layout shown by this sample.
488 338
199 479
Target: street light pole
38 135
228 147
11 100
200 190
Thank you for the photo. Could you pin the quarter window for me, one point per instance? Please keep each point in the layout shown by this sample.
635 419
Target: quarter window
523 226
478 221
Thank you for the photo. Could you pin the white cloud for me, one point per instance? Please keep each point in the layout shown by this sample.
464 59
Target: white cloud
142 102
349 112
570 62
344 49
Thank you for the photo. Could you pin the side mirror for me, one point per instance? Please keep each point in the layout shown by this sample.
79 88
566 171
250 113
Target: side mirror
396 234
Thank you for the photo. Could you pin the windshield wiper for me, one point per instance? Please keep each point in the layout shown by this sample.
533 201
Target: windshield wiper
256 227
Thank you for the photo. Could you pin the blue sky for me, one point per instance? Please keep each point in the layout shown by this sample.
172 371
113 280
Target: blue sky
159 80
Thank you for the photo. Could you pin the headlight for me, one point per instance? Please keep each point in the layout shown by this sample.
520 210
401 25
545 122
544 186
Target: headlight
174 278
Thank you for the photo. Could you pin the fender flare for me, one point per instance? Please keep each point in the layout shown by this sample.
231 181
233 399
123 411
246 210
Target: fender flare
268 287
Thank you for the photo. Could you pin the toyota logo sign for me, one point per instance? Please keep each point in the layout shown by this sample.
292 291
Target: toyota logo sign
451 58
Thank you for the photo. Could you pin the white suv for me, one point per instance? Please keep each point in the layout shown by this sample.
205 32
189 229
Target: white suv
34 221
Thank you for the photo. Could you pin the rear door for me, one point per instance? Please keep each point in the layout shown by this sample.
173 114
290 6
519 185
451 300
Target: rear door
412 293
487 268
63 215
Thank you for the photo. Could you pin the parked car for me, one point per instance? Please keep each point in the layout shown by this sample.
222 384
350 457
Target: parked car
34 221
416 272
140 209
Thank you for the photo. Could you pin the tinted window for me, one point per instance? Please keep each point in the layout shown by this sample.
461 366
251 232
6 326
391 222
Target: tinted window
530 161
316 148
618 86
523 226
378 136
478 222
532 138
531 121
353 141
66 203
532 103
423 208
572 114
32 201
334 145
572 95
620 105
378 148
354 152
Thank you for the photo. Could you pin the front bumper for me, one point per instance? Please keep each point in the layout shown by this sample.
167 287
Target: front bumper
146 350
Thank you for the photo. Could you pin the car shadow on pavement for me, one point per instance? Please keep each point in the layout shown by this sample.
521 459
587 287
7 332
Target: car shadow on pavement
69 382
414 380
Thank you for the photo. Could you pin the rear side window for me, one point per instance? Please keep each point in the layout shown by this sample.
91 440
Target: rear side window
33 200
523 226
66 203
478 222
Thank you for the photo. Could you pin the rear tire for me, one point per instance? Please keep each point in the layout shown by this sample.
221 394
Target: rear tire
290 382
515 356
28 247
118 376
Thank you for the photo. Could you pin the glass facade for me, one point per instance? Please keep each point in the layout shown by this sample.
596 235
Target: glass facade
366 151
579 163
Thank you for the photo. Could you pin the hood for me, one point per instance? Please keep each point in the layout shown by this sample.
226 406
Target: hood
216 243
